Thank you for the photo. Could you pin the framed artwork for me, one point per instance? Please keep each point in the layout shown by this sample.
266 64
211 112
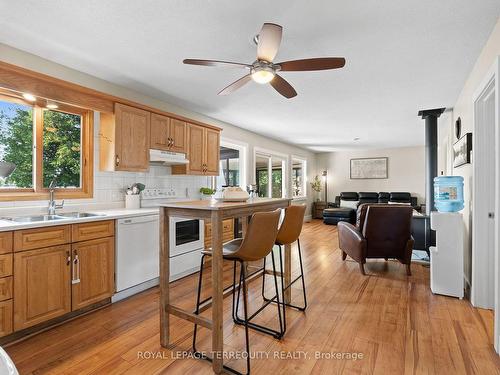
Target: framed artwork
462 150
369 168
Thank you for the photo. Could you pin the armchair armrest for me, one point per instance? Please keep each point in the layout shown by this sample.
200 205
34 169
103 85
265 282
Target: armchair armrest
351 241
332 205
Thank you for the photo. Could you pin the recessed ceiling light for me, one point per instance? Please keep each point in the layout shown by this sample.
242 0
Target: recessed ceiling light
356 139
52 105
29 97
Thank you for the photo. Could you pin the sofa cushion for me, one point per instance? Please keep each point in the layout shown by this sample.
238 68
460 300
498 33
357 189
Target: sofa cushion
383 197
349 204
368 197
349 196
400 197
338 212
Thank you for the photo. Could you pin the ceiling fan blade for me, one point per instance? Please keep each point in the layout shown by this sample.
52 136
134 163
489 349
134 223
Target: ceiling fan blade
216 63
235 85
283 87
322 63
269 41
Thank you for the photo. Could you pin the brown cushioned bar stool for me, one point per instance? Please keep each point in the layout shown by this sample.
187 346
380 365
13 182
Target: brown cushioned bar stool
256 245
288 233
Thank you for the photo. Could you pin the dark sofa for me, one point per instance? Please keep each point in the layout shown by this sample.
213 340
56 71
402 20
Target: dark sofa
420 223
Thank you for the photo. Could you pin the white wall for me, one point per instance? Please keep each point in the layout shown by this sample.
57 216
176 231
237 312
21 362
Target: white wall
464 109
406 171
29 61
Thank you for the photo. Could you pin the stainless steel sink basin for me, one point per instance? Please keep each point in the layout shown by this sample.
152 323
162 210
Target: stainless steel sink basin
77 215
31 219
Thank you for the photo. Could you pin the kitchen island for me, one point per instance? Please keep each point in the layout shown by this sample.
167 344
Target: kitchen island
216 212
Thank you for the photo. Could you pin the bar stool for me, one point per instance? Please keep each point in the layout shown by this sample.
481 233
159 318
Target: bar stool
256 245
288 233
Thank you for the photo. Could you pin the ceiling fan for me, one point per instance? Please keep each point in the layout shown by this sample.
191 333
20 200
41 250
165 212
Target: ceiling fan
263 70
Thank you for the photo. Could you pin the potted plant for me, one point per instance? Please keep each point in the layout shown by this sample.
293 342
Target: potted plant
206 193
316 186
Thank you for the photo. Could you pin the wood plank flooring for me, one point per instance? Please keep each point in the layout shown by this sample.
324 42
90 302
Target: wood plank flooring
393 321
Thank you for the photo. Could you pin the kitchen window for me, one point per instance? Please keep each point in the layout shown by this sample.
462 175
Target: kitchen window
299 178
270 175
45 140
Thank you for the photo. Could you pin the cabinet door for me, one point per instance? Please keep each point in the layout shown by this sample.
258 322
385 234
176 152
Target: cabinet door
211 152
41 285
93 271
195 149
178 135
132 138
160 132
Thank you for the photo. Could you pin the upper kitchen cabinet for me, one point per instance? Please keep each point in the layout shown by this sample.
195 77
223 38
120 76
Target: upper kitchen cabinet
202 152
124 139
168 134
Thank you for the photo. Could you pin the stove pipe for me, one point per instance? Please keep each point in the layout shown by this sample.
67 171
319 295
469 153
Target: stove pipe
431 147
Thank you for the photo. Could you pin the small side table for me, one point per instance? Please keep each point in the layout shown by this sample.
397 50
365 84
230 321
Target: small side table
318 207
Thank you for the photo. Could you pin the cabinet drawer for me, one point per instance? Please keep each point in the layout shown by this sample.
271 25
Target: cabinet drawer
93 230
227 225
5 265
5 288
5 317
5 242
37 238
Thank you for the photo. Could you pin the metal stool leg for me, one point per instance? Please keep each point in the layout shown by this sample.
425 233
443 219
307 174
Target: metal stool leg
245 311
276 334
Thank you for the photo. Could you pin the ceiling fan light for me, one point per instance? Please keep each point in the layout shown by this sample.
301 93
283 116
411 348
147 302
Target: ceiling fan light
263 76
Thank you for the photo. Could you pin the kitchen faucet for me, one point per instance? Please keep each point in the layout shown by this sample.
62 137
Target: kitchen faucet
52 203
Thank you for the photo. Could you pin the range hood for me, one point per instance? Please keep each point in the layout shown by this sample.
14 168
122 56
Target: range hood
159 157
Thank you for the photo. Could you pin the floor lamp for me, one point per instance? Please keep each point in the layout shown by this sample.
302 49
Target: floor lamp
325 174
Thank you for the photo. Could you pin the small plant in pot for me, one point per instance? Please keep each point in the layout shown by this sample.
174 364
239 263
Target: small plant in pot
206 193
316 186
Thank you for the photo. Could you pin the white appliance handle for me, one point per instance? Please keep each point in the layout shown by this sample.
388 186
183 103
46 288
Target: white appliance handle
137 221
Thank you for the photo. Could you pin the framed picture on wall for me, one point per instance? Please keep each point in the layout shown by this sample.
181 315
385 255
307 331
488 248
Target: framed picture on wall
462 150
369 168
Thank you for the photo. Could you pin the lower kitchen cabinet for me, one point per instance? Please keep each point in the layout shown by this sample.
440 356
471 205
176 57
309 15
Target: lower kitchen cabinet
5 317
93 271
42 285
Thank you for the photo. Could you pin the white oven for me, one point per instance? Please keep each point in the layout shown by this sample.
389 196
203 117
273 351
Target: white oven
186 235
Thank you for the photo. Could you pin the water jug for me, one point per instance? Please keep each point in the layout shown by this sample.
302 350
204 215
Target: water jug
449 193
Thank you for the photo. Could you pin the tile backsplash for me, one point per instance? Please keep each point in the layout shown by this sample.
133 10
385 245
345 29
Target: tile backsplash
109 187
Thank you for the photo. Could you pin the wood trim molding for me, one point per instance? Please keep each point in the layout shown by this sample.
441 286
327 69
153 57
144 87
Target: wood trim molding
20 79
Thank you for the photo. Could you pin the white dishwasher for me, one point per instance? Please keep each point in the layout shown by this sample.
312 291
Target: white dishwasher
137 255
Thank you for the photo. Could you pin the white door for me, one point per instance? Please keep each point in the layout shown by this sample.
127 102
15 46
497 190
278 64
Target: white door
483 235
485 288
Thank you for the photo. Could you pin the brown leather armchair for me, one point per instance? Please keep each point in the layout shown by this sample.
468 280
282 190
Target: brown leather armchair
381 231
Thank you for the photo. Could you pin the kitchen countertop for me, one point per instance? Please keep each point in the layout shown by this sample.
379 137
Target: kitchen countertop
116 213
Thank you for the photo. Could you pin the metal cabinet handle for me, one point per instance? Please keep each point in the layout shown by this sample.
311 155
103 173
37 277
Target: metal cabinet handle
68 258
76 268
117 160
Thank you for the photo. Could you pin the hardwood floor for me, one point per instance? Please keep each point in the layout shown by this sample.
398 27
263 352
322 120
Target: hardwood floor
393 321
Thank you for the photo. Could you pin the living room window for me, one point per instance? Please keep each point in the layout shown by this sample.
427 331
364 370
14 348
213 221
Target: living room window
45 140
299 178
270 175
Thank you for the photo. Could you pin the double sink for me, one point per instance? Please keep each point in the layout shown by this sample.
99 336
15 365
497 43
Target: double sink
41 218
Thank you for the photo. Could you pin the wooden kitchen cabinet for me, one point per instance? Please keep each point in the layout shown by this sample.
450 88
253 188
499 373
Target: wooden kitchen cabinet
227 232
168 134
124 139
93 271
42 285
6 317
202 151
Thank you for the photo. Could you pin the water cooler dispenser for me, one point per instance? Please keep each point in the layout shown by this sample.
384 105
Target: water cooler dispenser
447 257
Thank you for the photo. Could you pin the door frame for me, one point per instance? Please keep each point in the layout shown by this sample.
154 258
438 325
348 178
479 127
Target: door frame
478 216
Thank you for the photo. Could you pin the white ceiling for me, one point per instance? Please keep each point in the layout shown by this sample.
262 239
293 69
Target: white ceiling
402 56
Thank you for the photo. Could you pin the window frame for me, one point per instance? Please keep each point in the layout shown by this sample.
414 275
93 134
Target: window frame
270 154
38 192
